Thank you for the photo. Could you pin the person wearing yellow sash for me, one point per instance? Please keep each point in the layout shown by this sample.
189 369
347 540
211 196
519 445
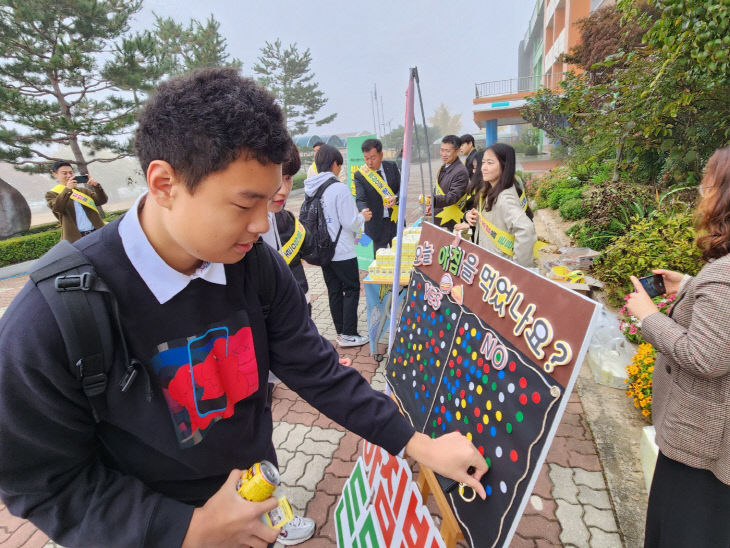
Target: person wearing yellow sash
502 219
312 170
77 207
377 184
449 191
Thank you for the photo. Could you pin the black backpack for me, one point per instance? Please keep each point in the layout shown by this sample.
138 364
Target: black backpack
87 315
312 217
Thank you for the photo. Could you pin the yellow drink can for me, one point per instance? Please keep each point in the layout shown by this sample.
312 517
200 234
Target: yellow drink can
258 482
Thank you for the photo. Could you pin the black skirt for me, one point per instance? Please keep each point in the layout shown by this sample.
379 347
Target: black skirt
688 507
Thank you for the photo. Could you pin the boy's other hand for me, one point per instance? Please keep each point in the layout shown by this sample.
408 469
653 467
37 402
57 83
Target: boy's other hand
229 520
367 214
452 456
71 184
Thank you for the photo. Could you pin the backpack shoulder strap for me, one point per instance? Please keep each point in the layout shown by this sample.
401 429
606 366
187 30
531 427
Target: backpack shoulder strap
260 274
75 294
324 186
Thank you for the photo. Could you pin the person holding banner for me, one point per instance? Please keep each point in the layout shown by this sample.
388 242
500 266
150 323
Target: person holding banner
77 207
377 184
502 219
689 500
449 193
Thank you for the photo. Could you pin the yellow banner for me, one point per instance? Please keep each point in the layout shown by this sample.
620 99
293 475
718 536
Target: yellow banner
382 188
290 249
78 196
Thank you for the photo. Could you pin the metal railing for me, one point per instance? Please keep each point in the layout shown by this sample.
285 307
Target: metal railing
518 85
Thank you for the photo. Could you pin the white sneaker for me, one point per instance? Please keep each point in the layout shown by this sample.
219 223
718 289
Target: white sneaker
352 340
295 531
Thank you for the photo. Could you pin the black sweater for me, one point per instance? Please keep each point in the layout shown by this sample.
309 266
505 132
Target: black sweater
133 479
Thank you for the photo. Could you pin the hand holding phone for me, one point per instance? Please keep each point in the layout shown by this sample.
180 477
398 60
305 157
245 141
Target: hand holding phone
653 285
81 179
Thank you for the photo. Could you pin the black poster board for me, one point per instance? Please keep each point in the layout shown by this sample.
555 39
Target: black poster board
487 348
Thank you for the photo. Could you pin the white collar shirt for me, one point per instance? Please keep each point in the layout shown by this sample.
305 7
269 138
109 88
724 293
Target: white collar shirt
162 280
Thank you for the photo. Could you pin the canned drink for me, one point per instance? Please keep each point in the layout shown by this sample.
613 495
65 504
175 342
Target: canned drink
258 482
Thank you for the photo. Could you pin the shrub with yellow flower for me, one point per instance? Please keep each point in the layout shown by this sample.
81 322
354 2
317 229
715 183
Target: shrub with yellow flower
640 372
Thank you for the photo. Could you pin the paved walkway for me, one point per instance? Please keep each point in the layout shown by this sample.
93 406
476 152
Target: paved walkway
570 506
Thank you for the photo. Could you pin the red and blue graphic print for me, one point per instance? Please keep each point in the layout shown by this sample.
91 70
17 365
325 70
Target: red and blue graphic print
205 375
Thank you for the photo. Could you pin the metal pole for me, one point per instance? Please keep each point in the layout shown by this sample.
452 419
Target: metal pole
428 143
404 176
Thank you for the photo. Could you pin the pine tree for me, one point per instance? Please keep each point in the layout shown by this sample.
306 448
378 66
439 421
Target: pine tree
52 88
199 45
287 75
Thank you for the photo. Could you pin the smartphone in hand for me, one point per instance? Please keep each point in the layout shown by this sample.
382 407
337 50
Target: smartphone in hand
654 285
81 179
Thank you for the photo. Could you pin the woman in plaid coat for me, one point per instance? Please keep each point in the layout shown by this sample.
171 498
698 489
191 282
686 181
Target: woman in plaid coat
689 502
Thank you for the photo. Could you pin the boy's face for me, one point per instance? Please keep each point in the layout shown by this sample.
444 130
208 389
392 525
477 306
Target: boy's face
226 214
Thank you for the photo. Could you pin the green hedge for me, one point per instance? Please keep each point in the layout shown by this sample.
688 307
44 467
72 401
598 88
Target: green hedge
26 248
36 242
298 180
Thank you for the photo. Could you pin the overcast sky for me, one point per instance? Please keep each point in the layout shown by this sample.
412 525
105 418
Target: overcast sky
356 44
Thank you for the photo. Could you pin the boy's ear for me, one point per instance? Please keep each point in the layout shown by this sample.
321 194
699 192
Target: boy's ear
163 182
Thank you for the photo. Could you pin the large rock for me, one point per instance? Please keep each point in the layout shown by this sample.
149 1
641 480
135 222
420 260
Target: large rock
14 211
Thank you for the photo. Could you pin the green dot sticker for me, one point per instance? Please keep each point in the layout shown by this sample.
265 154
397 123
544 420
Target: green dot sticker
425 377
468 349
519 416
489 461
508 427
448 327
451 373
448 311
485 379
466 419
494 386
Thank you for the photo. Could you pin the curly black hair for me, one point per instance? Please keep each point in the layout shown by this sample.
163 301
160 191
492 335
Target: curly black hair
201 122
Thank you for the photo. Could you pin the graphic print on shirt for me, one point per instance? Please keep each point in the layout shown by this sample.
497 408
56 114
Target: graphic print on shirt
205 375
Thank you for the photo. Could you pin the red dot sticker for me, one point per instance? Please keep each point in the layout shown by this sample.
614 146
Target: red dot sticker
523 399
435 349
461 331
458 359
477 413
535 397
523 382
462 393
420 367
443 409
451 364
441 333
512 366
423 388
480 427
458 373
433 341
438 420
480 362
481 449
513 455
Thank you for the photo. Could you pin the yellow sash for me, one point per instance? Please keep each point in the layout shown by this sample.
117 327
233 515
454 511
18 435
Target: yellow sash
453 212
78 196
313 167
290 249
382 188
504 241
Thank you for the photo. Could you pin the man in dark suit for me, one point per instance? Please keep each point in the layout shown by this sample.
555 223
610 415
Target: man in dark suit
377 184
448 196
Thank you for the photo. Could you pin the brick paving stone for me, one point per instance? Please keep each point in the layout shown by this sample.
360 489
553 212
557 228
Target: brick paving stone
574 530
594 497
564 487
535 526
601 539
603 519
519 542
594 480
585 461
